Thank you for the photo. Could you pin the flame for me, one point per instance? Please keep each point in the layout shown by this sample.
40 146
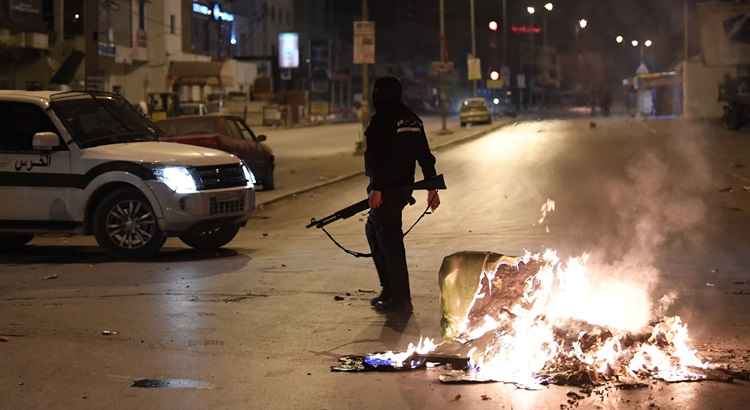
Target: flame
526 345
399 360
547 207
572 322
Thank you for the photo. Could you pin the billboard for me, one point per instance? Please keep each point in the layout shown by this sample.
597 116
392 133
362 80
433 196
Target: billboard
724 33
288 50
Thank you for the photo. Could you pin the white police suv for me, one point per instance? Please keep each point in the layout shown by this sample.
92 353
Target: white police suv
89 163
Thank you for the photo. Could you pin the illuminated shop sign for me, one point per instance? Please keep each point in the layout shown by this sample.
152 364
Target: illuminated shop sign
526 29
215 12
288 50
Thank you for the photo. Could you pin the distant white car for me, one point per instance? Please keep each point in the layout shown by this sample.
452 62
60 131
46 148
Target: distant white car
89 163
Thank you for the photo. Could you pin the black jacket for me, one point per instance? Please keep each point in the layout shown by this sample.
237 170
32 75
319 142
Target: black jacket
396 141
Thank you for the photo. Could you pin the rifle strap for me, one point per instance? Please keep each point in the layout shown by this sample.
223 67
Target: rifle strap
349 251
369 255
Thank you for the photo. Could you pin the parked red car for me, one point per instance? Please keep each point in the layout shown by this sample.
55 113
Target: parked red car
227 133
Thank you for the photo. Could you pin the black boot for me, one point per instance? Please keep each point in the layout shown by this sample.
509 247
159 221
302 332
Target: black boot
382 296
394 306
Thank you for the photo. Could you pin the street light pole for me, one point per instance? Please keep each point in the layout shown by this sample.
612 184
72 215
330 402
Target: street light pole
685 34
473 42
532 80
443 57
686 55
365 77
504 23
532 76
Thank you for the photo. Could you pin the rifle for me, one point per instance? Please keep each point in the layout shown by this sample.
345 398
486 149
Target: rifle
436 182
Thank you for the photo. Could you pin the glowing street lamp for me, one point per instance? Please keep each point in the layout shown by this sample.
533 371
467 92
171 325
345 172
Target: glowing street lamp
583 23
531 10
648 43
493 25
634 43
494 76
549 6
619 39
496 101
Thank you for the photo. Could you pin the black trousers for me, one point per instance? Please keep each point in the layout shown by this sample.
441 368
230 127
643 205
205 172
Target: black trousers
386 240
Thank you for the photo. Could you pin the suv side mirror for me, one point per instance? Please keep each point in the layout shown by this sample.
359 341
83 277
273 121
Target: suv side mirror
262 138
45 141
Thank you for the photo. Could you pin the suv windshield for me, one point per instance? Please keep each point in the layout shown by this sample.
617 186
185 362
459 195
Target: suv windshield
100 120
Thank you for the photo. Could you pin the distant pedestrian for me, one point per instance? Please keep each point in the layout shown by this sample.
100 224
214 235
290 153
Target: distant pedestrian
396 141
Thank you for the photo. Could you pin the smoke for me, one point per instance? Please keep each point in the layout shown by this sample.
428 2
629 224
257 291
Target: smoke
658 210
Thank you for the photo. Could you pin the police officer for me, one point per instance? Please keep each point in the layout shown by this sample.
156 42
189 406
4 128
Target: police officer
396 141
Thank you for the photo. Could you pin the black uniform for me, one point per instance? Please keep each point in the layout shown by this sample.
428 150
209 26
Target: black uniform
396 141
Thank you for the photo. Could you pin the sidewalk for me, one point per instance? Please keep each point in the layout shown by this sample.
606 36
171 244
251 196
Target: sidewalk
307 158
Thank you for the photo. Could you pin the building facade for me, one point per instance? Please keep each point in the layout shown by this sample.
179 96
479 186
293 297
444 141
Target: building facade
24 39
138 47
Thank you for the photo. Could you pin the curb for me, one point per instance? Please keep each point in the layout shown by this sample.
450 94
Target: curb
338 179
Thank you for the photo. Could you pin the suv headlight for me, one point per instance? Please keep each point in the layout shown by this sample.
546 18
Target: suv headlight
178 179
249 177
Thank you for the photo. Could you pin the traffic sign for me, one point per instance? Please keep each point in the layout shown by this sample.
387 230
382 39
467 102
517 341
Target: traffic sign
364 42
474 68
438 67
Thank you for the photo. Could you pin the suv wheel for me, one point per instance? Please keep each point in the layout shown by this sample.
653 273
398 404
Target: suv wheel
126 225
14 241
210 238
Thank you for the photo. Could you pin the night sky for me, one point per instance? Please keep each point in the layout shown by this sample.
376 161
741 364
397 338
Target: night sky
405 35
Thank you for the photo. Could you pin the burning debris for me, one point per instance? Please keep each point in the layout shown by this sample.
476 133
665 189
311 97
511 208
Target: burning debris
531 321
536 320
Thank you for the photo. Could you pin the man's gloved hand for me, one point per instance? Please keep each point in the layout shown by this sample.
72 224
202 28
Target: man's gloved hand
433 199
375 199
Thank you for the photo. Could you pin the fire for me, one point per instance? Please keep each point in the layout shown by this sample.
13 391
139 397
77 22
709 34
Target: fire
401 359
565 328
537 319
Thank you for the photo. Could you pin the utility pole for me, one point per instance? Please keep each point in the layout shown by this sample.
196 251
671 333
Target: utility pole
473 42
532 76
686 33
443 58
59 24
686 54
365 77
504 25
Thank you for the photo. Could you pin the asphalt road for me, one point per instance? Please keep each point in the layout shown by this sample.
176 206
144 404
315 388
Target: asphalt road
313 156
259 325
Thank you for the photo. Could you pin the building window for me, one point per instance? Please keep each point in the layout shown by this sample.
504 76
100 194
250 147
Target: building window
172 29
201 33
142 14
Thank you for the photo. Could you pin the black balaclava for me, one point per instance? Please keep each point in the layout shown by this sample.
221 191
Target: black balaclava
386 95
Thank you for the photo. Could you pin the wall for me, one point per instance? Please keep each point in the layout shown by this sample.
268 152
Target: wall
702 90
267 18
243 74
